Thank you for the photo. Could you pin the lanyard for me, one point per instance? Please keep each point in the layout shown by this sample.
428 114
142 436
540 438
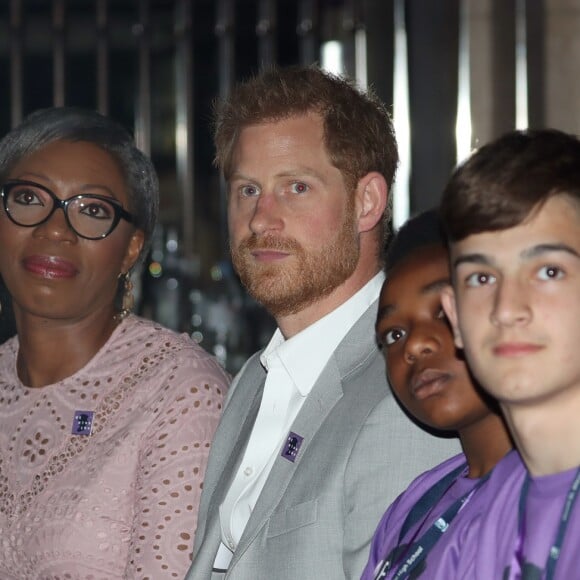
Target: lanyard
418 550
429 499
554 551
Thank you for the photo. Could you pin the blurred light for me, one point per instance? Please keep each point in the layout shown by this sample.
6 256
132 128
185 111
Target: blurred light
463 129
196 296
360 55
401 121
197 336
220 352
155 269
332 57
196 320
172 244
216 273
180 134
522 119
172 283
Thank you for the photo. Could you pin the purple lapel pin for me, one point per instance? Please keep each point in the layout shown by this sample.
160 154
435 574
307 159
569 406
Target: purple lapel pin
83 422
292 446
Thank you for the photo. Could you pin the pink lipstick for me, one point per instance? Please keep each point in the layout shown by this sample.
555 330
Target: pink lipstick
50 267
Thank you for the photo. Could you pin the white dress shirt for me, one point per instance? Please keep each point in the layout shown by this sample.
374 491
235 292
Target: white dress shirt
292 366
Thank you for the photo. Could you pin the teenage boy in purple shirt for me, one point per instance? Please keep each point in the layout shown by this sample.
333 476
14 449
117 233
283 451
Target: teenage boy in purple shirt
512 214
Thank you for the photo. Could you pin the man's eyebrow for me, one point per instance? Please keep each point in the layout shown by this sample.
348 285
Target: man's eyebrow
292 173
545 248
299 171
526 254
239 176
472 259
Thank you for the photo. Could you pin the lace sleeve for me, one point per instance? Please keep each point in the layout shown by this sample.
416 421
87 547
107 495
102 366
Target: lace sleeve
170 471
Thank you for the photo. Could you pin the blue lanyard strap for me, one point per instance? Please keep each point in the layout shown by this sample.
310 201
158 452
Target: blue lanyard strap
554 552
418 550
430 498
421 548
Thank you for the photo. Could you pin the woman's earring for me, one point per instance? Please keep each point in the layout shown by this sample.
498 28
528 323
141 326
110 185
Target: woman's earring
128 298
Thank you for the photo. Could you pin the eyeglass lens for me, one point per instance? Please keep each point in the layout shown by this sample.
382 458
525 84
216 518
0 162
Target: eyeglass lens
90 216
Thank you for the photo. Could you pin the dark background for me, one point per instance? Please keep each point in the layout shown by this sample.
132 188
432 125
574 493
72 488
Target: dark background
157 65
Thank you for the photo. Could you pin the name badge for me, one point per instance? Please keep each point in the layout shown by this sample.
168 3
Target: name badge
292 446
83 422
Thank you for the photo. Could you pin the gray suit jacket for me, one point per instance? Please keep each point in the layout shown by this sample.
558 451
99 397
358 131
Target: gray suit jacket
315 517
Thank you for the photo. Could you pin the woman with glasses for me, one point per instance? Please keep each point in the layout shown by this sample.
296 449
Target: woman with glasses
105 418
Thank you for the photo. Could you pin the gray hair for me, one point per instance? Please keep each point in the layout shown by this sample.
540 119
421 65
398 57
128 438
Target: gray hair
74 124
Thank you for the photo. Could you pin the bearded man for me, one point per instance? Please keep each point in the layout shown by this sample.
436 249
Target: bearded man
312 446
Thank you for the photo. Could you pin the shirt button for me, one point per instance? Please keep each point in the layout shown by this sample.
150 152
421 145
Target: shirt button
248 471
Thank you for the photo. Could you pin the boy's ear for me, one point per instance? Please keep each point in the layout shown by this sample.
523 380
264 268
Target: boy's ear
450 306
371 200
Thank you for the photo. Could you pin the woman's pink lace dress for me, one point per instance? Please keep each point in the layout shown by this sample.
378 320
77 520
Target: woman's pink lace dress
120 502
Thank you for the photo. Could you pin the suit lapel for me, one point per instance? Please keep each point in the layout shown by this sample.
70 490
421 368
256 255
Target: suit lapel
325 394
230 441
354 350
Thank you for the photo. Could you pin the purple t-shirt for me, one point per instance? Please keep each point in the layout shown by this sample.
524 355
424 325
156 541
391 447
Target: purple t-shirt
453 556
500 537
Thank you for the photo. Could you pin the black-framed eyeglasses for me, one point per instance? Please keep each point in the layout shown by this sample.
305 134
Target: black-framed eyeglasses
89 215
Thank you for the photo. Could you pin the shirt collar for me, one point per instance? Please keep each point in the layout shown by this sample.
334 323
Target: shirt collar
305 355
